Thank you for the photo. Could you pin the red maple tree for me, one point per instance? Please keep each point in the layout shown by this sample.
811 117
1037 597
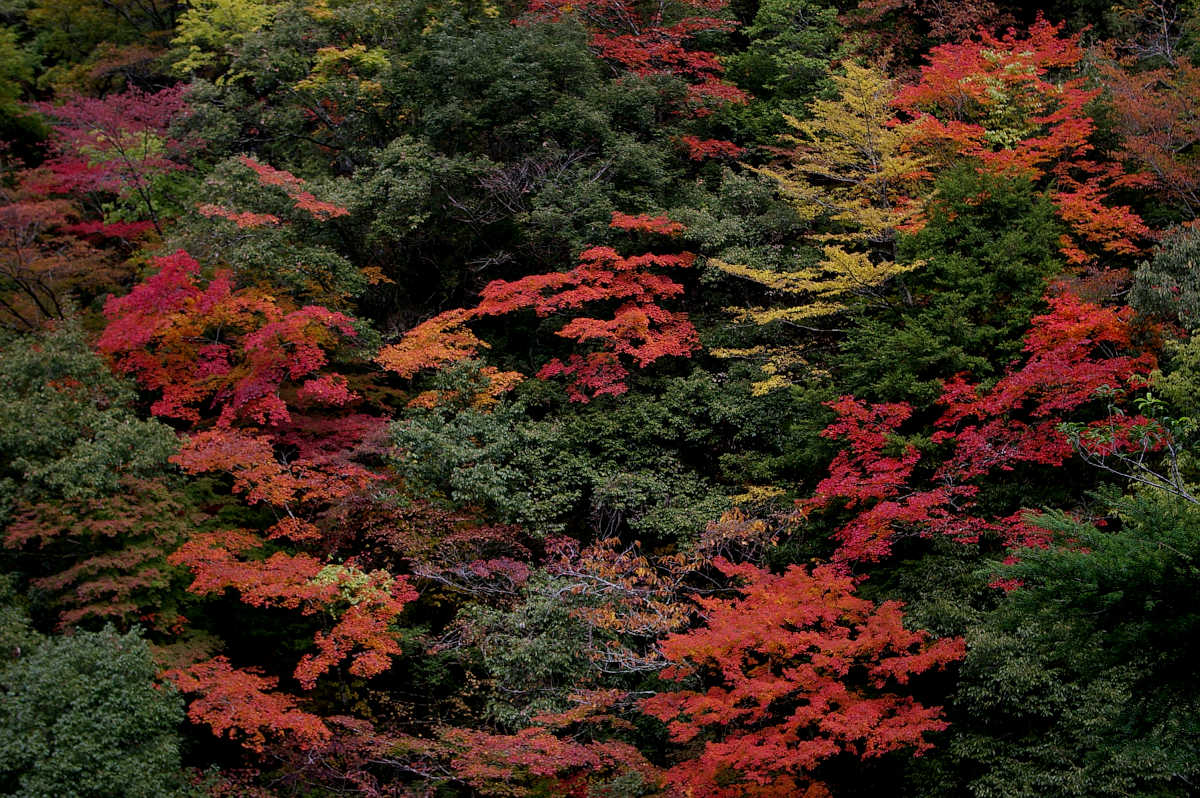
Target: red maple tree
798 670
241 704
210 348
1009 103
655 42
1070 361
366 602
639 328
251 376
115 145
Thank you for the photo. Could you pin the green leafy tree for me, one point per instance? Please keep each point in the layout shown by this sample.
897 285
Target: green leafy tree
67 425
535 653
17 71
1083 681
82 717
270 228
210 30
1167 287
989 247
787 60
603 470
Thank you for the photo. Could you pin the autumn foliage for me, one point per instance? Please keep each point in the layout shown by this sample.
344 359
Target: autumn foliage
599 398
558 752
244 706
800 671
66 223
155 333
1069 363
368 601
47 262
1010 103
252 378
117 145
1158 126
656 43
639 328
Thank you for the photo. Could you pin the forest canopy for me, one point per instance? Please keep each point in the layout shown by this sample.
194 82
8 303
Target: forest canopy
599 398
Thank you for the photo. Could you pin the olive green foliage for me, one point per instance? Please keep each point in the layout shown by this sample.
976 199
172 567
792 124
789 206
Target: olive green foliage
634 464
1167 286
1179 381
1083 681
791 45
68 31
88 45
535 654
82 717
497 88
211 29
515 154
68 428
299 253
480 149
1174 402
17 71
16 628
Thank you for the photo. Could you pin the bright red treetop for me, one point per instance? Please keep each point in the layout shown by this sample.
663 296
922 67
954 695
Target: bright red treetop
213 348
799 670
1070 361
1003 101
995 99
639 328
655 43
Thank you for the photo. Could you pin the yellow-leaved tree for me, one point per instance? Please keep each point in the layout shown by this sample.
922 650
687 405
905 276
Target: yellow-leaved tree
210 31
855 185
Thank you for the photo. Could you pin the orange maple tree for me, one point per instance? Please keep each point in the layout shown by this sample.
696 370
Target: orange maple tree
797 670
242 704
